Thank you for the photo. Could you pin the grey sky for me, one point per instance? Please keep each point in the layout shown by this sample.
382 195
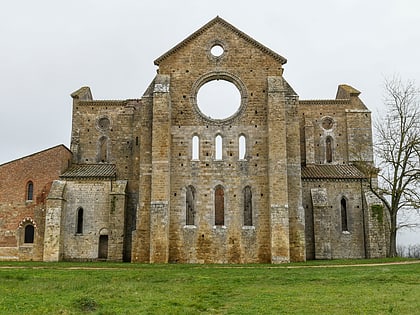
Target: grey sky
50 48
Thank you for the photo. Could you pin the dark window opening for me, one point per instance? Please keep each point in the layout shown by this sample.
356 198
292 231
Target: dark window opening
190 205
247 206
79 229
30 191
328 149
219 206
344 226
29 234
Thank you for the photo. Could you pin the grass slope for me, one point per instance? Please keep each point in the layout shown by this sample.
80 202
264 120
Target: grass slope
310 288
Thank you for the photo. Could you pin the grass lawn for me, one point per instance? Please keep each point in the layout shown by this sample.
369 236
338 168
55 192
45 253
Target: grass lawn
306 288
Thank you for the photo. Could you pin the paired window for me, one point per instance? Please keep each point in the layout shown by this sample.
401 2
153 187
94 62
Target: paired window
30 191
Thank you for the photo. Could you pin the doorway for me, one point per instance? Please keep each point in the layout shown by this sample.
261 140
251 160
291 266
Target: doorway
103 247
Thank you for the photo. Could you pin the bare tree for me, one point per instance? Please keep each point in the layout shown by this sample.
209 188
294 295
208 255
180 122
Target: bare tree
397 150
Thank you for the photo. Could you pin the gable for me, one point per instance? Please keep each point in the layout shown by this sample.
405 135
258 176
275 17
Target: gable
219 21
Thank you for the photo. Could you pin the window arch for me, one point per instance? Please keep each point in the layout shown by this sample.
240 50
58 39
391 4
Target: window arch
79 223
190 206
242 147
195 147
247 206
30 191
103 149
29 234
219 147
328 149
219 206
343 211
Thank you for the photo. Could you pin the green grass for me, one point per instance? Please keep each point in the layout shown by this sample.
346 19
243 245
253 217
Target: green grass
319 287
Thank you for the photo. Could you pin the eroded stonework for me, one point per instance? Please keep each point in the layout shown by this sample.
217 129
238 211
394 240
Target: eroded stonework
156 180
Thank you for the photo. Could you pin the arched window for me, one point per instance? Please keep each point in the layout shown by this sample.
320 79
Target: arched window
195 148
219 147
242 147
190 206
219 206
79 228
103 149
328 149
29 234
247 206
344 226
30 191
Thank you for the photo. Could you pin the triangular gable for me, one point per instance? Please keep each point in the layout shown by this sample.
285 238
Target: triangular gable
219 20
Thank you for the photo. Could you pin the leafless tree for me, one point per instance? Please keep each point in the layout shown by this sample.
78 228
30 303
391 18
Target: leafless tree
397 150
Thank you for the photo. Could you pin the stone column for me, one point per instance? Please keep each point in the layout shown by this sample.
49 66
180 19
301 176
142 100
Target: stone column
161 152
53 240
277 171
116 220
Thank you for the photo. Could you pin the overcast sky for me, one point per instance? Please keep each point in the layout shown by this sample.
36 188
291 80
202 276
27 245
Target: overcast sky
50 48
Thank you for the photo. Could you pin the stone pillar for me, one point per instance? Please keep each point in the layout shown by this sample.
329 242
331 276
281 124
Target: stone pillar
161 151
294 182
116 220
309 142
277 171
322 223
53 240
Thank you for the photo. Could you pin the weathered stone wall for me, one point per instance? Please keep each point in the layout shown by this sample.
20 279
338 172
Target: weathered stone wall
325 238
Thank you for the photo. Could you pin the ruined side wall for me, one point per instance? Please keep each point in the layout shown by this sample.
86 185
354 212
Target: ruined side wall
325 238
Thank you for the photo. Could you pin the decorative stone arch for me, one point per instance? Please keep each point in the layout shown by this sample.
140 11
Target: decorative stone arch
26 231
219 75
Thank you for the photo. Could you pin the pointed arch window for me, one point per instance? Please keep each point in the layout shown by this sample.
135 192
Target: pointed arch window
103 150
247 206
219 147
29 234
328 149
343 206
219 206
79 227
190 205
195 148
30 190
242 147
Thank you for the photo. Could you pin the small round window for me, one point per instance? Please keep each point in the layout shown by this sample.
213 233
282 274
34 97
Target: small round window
327 123
103 123
217 50
218 99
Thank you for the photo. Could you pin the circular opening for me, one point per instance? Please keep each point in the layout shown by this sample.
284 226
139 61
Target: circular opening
217 50
218 99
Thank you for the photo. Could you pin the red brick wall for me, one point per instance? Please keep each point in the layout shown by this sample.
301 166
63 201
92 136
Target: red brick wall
41 168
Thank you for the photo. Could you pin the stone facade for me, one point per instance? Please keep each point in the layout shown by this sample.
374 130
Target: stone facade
157 180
